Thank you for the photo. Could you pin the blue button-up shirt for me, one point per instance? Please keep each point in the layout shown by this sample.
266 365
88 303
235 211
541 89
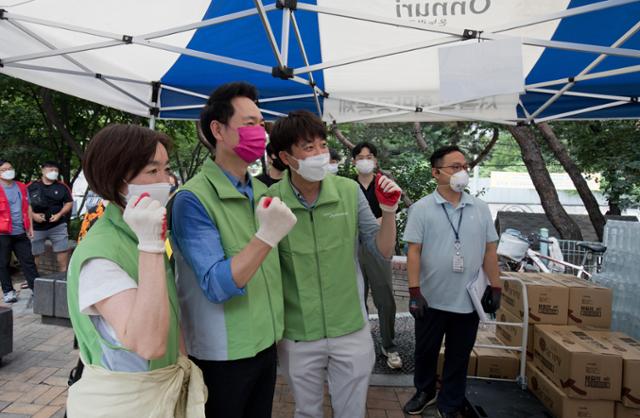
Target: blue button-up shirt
197 237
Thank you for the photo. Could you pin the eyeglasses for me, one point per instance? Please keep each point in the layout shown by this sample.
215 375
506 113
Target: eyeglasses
456 167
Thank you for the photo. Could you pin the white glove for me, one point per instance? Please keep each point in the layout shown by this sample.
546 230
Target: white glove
147 218
275 219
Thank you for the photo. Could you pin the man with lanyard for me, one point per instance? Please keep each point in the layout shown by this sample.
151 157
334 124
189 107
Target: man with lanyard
15 230
51 202
451 237
376 272
326 327
225 236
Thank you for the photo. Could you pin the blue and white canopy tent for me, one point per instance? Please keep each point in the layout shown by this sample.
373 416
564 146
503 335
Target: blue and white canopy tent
356 60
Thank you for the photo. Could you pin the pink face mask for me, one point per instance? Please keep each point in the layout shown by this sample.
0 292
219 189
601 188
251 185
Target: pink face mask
251 143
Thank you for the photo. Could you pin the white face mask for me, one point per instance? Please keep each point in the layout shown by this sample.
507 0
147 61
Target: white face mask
365 166
8 175
459 181
313 168
157 191
52 175
332 168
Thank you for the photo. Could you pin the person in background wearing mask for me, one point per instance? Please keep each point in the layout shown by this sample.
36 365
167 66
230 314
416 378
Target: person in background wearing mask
15 230
224 234
52 203
121 292
275 168
326 325
451 237
377 272
334 161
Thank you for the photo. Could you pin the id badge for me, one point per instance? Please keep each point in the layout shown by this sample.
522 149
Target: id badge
458 260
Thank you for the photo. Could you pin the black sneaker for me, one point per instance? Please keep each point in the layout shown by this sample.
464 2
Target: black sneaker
449 414
419 402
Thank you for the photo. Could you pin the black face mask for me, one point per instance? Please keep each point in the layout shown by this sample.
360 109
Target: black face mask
277 164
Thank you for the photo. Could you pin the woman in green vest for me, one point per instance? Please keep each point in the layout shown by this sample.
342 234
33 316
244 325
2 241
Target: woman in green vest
121 291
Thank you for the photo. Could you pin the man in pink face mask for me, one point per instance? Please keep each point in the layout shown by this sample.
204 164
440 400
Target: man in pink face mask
225 236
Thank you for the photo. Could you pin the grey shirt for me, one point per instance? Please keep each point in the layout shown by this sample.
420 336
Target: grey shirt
15 203
427 225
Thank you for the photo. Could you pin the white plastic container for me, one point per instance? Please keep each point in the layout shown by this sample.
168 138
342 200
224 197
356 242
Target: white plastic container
512 247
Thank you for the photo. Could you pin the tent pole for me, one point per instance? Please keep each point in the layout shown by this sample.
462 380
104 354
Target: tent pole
296 29
591 76
271 37
584 110
154 110
580 94
585 71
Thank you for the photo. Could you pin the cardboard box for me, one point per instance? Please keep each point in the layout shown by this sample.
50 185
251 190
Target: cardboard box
471 369
513 335
629 350
577 363
494 362
560 404
548 299
589 304
625 412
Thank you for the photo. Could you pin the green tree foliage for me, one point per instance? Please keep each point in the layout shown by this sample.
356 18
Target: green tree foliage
612 149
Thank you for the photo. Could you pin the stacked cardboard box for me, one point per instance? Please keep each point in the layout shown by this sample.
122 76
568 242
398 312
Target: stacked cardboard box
629 349
589 303
494 362
471 369
562 406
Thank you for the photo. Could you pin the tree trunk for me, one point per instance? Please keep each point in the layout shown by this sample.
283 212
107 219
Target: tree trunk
54 119
614 208
483 154
417 133
589 200
532 157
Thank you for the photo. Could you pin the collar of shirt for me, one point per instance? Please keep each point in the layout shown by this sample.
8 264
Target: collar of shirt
246 188
301 197
464 200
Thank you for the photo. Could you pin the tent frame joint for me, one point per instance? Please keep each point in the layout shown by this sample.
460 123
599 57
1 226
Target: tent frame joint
419 109
98 76
287 4
284 72
127 39
633 99
154 111
2 14
471 34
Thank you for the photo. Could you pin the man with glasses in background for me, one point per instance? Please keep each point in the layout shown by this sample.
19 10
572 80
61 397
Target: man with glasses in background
451 237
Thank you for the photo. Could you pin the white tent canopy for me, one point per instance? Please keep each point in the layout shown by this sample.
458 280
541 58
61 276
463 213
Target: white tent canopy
362 60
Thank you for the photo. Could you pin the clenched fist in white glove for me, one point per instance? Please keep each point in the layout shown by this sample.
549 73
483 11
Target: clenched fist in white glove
147 218
275 219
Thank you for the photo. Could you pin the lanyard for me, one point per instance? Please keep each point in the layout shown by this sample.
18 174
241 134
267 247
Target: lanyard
455 231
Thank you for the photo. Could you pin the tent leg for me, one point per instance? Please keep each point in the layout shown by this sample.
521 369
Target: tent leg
152 122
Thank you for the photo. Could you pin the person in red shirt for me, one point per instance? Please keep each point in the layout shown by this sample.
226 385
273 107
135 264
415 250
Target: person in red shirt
15 230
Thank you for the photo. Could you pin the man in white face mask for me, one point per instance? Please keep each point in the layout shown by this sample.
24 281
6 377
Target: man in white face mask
376 272
326 327
52 203
15 230
451 237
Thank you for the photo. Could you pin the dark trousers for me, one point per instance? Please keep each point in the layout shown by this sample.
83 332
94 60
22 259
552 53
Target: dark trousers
460 331
377 277
21 247
240 388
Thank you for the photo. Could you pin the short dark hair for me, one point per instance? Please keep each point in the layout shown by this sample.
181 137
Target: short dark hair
299 125
438 155
47 164
219 106
368 145
2 162
334 154
117 154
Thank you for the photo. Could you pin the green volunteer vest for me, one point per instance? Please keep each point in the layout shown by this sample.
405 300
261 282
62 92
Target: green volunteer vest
255 320
111 238
318 262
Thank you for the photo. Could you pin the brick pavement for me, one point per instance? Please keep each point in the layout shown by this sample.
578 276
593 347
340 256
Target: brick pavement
33 379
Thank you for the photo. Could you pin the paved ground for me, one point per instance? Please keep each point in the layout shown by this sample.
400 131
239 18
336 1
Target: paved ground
33 379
